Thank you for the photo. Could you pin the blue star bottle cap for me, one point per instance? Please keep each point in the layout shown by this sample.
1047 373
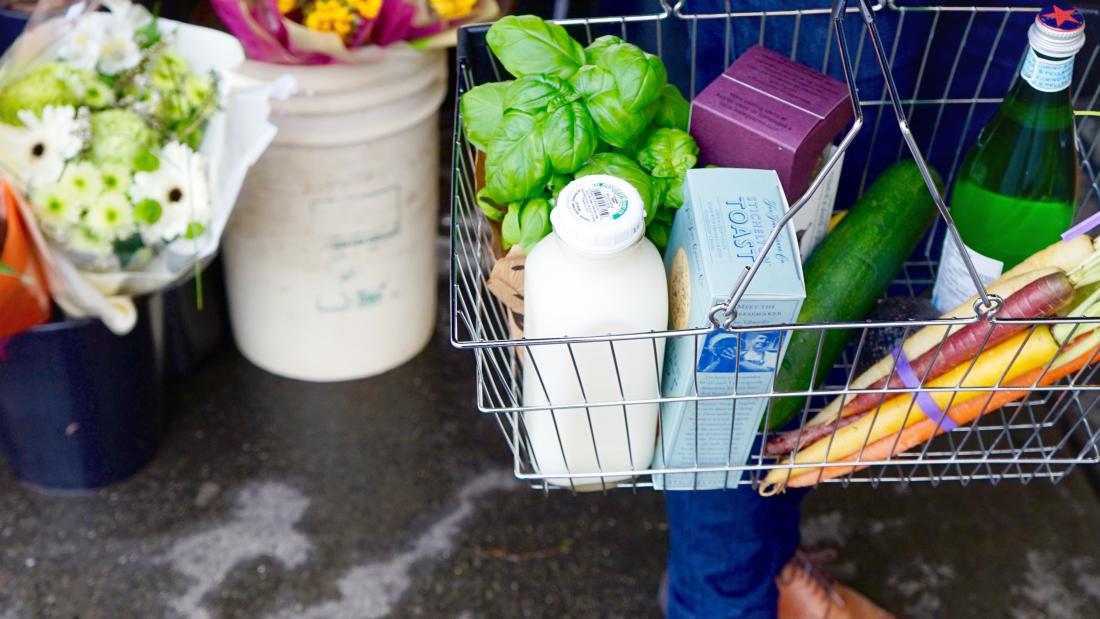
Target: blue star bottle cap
1058 31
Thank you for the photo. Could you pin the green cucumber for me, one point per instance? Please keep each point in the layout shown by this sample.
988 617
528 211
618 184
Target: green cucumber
848 273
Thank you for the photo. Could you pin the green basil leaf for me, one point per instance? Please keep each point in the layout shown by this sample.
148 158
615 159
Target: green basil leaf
665 215
614 123
658 232
674 195
591 81
482 110
669 153
639 76
597 48
660 194
526 45
556 184
635 144
510 227
491 209
516 167
538 93
534 223
6 270
621 166
673 110
569 137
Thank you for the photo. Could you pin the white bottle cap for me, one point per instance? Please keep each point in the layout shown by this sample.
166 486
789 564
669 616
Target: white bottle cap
1058 31
599 214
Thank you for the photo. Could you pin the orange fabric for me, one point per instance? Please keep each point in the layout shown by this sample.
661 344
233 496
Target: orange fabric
924 430
24 300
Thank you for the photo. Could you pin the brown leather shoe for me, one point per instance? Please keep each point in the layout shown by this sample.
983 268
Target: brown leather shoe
806 591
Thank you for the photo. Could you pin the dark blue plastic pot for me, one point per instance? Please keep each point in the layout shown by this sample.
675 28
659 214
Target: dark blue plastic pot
192 335
11 26
80 407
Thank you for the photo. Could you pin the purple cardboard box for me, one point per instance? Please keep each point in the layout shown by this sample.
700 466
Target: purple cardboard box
769 112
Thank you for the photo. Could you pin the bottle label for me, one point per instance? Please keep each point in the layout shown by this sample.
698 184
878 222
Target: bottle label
600 202
1047 75
953 282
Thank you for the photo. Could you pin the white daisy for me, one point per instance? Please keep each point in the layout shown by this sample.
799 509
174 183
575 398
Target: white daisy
119 51
83 181
111 216
82 47
179 188
57 209
38 150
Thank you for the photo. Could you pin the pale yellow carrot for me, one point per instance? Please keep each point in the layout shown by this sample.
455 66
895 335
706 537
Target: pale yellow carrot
1065 255
1018 355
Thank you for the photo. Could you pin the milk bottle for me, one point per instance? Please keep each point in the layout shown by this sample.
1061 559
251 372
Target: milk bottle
595 275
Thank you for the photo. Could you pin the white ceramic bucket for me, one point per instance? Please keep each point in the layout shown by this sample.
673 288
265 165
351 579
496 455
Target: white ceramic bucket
330 254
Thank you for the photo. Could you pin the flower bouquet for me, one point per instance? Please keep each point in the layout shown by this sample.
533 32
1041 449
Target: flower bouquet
131 141
345 31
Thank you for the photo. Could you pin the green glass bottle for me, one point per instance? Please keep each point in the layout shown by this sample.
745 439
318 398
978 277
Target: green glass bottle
1016 192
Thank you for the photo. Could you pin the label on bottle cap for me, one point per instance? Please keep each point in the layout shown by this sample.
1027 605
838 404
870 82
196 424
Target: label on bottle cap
1047 75
599 214
599 202
1060 18
1058 32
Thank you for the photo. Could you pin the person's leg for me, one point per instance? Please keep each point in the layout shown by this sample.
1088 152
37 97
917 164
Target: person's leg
725 549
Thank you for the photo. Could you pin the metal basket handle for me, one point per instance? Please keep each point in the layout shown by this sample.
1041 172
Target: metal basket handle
723 314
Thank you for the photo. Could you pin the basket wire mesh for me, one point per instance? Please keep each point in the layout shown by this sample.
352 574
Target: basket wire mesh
1045 434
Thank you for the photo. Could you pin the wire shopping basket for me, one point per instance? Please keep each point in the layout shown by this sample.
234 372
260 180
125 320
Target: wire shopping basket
1042 431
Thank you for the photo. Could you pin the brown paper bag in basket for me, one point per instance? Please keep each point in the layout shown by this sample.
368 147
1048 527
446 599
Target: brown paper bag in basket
506 278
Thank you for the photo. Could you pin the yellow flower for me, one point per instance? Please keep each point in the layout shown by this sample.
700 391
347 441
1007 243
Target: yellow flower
368 8
452 9
330 16
286 6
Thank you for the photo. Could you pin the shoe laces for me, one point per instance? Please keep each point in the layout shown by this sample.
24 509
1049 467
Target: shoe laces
808 564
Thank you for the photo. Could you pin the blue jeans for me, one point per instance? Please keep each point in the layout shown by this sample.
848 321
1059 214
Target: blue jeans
725 549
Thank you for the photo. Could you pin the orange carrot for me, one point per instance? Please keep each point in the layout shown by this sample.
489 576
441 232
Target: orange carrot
964 412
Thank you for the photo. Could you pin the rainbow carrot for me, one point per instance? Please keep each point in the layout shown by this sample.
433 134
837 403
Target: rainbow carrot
1017 356
966 412
1043 297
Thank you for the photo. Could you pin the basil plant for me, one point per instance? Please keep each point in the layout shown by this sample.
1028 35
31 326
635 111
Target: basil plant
574 111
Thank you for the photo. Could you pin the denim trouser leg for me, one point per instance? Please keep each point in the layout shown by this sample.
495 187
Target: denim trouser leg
725 549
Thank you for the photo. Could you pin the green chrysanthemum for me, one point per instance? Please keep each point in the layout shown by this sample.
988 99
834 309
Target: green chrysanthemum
118 136
51 83
97 93
197 89
169 70
56 207
111 216
83 181
115 177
